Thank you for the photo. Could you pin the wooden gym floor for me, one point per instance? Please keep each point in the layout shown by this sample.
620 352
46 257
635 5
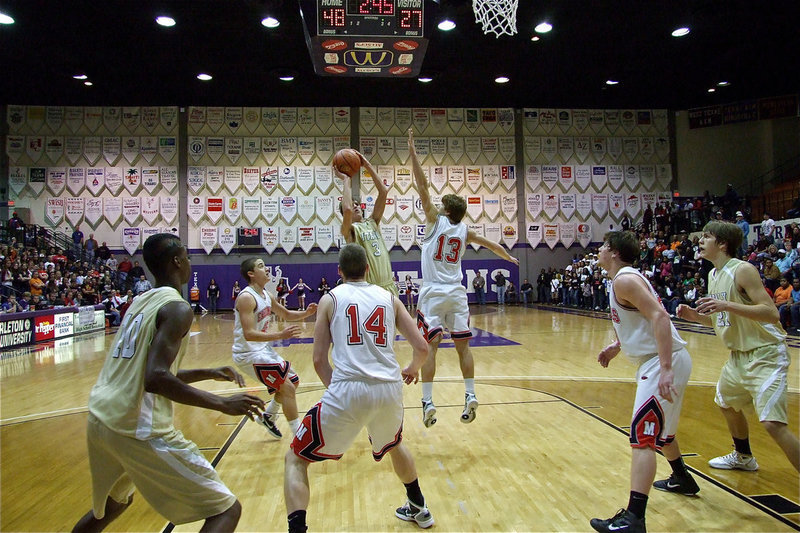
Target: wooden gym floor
547 452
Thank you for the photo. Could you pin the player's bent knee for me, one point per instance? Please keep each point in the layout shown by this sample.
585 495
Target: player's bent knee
773 427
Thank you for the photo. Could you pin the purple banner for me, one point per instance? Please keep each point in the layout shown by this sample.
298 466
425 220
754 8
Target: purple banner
312 273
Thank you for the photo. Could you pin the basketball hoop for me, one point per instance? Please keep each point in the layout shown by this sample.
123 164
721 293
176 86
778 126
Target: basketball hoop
496 16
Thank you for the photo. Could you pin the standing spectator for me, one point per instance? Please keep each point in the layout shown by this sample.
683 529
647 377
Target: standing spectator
500 283
301 293
77 243
526 290
16 227
136 271
543 287
212 295
103 252
479 286
598 291
235 291
745 227
323 287
647 219
411 290
282 290
90 247
36 283
142 286
123 270
768 228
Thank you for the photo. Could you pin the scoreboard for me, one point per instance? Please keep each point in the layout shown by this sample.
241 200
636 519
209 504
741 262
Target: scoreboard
365 37
248 237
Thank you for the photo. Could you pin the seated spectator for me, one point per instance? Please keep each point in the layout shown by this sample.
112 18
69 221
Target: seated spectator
526 291
25 301
111 311
771 274
782 296
791 313
11 305
37 304
786 259
142 285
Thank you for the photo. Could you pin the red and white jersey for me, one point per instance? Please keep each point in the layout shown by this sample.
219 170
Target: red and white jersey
634 331
442 251
362 330
263 312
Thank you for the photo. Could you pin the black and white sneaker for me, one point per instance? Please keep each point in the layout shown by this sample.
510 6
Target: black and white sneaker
266 421
428 413
622 522
686 486
470 406
411 513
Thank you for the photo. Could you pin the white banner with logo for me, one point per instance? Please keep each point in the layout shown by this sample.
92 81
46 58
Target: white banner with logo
566 233
599 177
306 208
227 238
270 208
583 204
251 209
616 204
215 207
54 148
288 208
550 234
306 237
269 239
131 239
76 180
288 238
632 177
566 203
324 207
550 205
150 209
75 210
389 235
286 179
404 207
232 179
54 211
208 238
56 179
474 177
633 205
491 176
534 234
533 203
325 237
510 236
169 208
491 205
549 148
474 207
131 209
508 176
406 233
132 179
508 205
550 175
150 178
584 234
616 177
148 148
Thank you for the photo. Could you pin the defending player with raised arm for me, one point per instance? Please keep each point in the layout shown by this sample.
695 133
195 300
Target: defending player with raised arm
442 301
252 349
646 334
131 437
746 320
364 388
366 232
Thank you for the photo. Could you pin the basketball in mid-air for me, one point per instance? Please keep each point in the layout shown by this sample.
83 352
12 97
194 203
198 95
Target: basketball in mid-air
347 161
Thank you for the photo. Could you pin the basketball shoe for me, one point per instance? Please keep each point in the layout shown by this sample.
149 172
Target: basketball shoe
428 413
411 513
470 406
624 521
686 486
266 421
734 461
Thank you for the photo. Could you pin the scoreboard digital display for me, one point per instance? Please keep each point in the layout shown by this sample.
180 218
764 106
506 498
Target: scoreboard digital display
248 237
389 18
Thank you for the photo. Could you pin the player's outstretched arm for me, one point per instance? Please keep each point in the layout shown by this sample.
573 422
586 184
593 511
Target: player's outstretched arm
421 181
347 206
286 314
383 190
406 326
748 281
322 340
687 313
172 325
498 250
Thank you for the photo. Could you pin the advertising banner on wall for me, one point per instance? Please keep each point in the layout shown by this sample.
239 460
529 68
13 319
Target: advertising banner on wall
131 239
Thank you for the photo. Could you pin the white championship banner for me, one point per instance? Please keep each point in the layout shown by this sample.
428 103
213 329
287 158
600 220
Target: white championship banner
131 209
75 210
132 179
76 180
510 235
169 208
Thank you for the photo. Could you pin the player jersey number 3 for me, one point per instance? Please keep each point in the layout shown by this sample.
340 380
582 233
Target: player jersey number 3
126 342
454 246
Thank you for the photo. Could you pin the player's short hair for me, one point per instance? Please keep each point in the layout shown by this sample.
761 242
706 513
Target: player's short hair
726 233
248 265
159 250
625 243
353 261
455 206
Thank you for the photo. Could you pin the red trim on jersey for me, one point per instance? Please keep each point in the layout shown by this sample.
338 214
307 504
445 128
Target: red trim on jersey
308 439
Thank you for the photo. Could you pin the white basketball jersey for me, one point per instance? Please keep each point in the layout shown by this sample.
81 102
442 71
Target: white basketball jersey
263 312
442 250
634 331
362 330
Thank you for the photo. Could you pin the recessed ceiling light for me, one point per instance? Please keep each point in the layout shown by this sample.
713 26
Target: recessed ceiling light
5 19
723 83
680 32
712 90
612 82
543 27
425 79
502 79
535 38
165 21
204 77
287 77
88 83
80 76
270 22
447 25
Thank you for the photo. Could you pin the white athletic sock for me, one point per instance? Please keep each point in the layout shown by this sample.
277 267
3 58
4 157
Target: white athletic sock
469 385
272 408
294 425
427 391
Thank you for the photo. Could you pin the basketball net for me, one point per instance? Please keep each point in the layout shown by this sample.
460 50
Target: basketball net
496 16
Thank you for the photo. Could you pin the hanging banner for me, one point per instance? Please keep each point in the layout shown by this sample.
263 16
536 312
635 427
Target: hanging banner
566 233
632 176
550 174
455 148
550 234
583 205
664 175
56 179
54 117
549 147
389 235
614 147
167 148
250 178
616 176
73 149
252 149
474 207
493 231
233 118
323 178
600 205
633 205
269 118
584 234
168 116
530 118
208 238
54 211
233 209
306 237
307 145
533 147
550 205
214 178
533 203
599 177
566 148
306 208
288 208
385 118
129 116
508 176
96 180
15 146
286 179
112 210
76 180
270 208
566 178
438 149
17 179
533 176
304 178
197 147
288 149
491 176
92 149
131 209
566 203
404 207
474 178
491 205
132 180
611 119
34 147
92 116
131 239
130 149
227 238
510 236
111 149
93 211
505 118
150 179
646 147
169 208
195 208
196 178
151 119
472 147
616 204
73 118
406 234
233 149
628 119
420 117
598 148
402 178
75 209
215 207
534 234
660 120
661 147
269 239
596 120
582 147
508 205
287 117
148 148
478 230
232 179
215 147
169 178
288 238
251 209
455 118
367 118
630 147
324 149
385 148
54 148
647 176
403 119
150 209
324 207
489 148
37 177
325 237
112 117
583 176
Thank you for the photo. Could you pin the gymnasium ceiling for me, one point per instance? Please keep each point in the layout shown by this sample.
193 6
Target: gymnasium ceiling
132 61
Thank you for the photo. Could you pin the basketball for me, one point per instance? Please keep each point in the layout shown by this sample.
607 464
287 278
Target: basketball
347 161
